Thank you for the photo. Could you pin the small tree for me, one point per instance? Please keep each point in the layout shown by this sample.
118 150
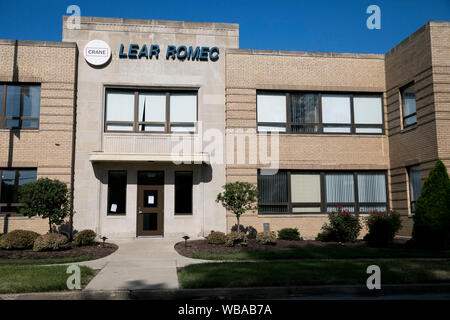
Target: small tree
432 216
46 198
238 197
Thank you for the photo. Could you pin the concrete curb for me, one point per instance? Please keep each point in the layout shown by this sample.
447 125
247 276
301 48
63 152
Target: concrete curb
235 293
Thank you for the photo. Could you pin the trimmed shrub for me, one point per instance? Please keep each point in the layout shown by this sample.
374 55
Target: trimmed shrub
236 239
18 239
217 237
249 231
84 238
382 228
289 234
266 237
50 242
432 216
343 226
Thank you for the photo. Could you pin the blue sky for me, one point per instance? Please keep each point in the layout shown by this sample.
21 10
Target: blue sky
314 25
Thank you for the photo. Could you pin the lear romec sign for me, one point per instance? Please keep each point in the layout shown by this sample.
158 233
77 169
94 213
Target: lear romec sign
172 52
98 52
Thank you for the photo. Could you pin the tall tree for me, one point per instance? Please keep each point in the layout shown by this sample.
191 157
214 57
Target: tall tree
432 216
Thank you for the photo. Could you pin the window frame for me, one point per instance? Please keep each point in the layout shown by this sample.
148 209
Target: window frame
175 194
320 125
16 186
136 123
323 203
402 104
108 195
3 118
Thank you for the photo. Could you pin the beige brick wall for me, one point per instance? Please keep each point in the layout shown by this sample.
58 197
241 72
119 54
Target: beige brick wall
248 71
49 149
423 58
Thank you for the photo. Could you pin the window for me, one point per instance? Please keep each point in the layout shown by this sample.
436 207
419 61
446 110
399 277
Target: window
415 186
20 106
336 113
150 111
117 192
271 112
305 192
10 182
409 105
273 192
368 114
304 113
183 192
340 189
312 113
296 192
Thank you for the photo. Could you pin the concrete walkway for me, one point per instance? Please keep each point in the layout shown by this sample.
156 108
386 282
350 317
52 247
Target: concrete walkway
139 264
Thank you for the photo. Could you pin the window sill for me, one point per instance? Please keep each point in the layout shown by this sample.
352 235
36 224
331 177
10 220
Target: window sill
409 128
309 135
19 130
116 215
297 215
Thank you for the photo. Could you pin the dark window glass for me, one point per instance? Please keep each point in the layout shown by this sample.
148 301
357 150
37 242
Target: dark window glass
304 112
273 195
183 192
151 178
22 106
12 101
117 192
409 105
415 186
150 221
11 181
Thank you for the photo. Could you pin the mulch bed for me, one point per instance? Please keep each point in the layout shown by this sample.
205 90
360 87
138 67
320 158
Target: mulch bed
96 250
202 246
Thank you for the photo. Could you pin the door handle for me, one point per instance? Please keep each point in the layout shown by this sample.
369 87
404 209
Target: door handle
139 210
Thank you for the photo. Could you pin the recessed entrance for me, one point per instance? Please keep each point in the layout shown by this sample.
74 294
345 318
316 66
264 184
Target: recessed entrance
150 203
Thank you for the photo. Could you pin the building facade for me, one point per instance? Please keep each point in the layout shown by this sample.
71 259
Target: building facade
168 112
37 99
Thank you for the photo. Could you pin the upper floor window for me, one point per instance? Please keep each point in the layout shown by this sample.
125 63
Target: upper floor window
298 112
409 105
19 106
415 186
10 182
150 111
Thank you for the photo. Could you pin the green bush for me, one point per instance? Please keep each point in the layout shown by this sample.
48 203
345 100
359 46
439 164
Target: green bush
382 227
266 237
432 216
249 231
236 239
343 226
289 234
18 239
50 242
84 238
217 237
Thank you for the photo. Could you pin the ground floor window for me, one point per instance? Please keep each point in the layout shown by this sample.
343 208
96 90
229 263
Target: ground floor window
291 191
415 186
117 192
183 192
11 180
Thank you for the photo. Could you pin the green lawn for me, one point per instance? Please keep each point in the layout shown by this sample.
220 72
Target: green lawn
18 279
15 262
294 273
328 252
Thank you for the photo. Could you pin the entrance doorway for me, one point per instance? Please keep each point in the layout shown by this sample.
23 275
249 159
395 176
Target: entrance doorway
150 203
